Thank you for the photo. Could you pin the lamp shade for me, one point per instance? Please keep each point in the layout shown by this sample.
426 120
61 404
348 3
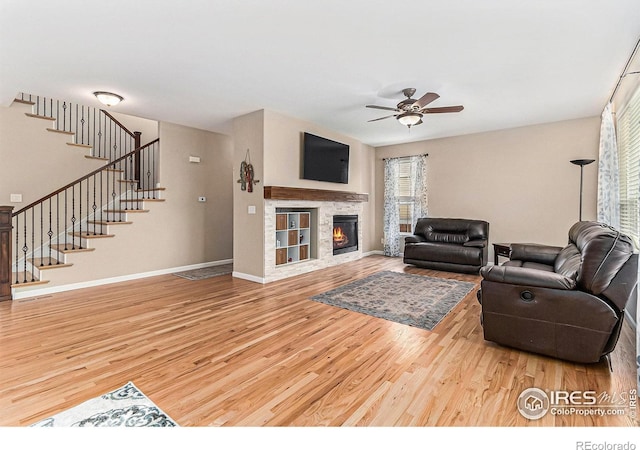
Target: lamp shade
108 98
409 118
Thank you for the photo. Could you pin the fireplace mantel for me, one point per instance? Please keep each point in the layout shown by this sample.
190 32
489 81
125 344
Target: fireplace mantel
322 195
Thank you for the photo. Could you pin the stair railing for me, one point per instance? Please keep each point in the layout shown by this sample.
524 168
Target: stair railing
92 127
82 208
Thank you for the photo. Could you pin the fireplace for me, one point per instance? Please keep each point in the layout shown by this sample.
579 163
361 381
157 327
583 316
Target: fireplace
345 234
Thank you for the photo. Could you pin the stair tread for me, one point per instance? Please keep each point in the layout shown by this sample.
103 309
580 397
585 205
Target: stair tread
73 144
44 263
26 102
151 189
111 222
128 181
61 248
110 169
97 157
143 200
86 235
53 130
37 116
124 211
20 276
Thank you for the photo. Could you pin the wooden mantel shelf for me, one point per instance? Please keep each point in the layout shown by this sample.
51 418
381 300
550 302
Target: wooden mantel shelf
321 195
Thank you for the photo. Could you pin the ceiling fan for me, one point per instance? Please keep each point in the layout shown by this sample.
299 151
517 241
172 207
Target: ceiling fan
409 111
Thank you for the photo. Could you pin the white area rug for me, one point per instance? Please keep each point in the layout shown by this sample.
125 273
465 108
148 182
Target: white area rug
124 407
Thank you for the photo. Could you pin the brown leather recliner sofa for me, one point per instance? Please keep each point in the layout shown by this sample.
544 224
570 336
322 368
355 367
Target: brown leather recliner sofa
456 245
568 302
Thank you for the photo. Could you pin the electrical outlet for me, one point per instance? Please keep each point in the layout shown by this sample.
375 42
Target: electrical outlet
382 241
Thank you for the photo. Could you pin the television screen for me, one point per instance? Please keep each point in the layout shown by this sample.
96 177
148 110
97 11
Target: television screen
325 160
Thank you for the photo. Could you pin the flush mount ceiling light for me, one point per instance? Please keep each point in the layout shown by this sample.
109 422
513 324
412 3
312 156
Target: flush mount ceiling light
108 98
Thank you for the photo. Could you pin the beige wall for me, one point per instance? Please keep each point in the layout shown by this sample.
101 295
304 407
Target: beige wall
282 167
248 229
34 161
520 180
148 128
275 144
178 232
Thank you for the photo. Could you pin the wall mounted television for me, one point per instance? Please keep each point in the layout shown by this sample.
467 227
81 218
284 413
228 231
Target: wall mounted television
324 159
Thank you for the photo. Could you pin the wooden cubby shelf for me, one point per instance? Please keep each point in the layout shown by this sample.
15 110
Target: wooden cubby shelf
293 237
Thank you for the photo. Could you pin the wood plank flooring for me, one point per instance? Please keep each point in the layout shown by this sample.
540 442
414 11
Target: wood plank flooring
229 352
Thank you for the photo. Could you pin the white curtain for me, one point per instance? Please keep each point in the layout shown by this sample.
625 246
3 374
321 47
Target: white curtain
391 210
608 172
392 243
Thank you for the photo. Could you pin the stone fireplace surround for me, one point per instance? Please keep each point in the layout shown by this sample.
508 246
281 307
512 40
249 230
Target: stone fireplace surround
322 236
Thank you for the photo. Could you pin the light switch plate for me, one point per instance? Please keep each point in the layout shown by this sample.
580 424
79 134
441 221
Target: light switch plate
251 209
16 198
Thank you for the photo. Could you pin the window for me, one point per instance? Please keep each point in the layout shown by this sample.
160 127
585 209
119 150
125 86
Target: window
406 195
629 160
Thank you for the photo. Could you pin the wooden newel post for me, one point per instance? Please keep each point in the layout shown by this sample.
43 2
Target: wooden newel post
5 252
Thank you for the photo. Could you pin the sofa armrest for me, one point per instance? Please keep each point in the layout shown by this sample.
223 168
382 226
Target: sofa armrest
414 239
526 277
479 243
543 254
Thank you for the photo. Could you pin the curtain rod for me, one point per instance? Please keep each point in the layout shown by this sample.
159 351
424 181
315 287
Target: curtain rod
624 71
400 157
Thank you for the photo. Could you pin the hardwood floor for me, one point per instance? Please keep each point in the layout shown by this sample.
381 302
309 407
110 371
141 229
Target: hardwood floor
229 352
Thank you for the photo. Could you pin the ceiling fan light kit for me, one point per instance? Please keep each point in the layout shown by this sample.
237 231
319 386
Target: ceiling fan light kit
409 118
409 111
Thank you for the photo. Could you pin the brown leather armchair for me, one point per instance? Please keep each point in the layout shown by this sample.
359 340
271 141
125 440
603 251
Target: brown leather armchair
568 302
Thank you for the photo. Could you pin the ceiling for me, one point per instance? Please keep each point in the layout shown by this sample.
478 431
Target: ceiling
202 63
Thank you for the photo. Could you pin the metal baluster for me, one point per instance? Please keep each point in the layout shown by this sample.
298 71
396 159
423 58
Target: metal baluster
58 221
82 121
66 202
102 212
50 232
73 218
64 116
95 206
25 248
33 240
41 236
80 204
17 243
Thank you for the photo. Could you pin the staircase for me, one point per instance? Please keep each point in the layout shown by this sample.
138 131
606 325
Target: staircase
50 231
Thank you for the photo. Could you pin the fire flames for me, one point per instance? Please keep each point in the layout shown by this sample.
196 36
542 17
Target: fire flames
339 238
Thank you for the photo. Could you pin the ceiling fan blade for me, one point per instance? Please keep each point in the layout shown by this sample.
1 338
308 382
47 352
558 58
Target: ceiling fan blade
386 108
380 118
442 109
426 99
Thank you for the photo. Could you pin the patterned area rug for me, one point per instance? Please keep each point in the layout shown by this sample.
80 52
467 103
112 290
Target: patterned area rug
124 407
206 272
415 300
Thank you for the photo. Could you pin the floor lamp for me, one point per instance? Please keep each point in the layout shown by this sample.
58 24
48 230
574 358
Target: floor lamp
581 163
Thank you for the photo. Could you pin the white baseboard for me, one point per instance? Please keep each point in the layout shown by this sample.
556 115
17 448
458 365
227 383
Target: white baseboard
103 281
373 252
246 276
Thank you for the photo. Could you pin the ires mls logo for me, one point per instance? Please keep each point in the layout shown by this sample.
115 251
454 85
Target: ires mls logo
533 403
